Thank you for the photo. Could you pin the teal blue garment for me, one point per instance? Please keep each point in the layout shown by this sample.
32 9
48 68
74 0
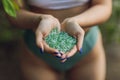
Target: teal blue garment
89 42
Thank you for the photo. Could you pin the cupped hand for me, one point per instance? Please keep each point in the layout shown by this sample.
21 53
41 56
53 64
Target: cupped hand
47 23
70 26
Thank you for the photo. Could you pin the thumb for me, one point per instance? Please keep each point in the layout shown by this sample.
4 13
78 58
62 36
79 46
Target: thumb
39 40
80 39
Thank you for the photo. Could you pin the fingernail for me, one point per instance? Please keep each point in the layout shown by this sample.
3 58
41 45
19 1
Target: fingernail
61 54
58 57
64 58
41 51
80 51
58 54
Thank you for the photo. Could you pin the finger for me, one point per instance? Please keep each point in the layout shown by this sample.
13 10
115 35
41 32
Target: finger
52 51
39 41
80 39
58 25
63 56
46 34
71 52
64 60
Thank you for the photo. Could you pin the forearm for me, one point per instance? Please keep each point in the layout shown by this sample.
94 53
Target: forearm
25 19
95 15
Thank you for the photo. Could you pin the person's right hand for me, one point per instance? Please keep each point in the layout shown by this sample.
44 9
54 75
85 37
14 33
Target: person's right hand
47 23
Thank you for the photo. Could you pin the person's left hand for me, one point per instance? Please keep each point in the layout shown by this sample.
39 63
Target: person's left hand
70 26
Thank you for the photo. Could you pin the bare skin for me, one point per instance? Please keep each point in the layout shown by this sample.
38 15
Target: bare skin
90 67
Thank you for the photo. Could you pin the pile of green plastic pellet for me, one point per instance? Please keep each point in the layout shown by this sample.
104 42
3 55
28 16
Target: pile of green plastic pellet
60 40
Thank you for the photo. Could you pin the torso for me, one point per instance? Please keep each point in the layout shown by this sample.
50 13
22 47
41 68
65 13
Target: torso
57 4
61 14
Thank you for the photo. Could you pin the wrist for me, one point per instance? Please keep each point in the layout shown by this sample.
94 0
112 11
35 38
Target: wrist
73 19
36 22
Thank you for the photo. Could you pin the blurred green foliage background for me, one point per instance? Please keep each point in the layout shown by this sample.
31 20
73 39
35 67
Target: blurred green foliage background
10 36
111 29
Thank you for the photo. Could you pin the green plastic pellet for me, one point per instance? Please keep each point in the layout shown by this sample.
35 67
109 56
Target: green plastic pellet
60 40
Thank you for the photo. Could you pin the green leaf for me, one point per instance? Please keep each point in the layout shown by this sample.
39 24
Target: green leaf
15 5
9 7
